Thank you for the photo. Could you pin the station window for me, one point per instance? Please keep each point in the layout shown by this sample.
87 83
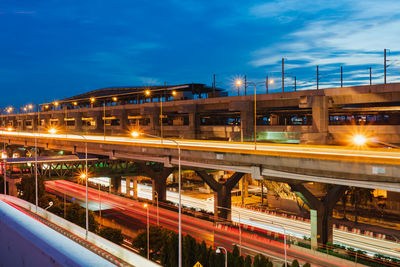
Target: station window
123 186
71 123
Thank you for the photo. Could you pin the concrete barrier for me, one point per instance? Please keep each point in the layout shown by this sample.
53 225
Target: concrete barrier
112 248
28 242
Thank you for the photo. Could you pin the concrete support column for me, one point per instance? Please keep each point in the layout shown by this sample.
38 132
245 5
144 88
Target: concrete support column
247 122
223 203
78 122
320 212
320 115
222 193
159 180
194 126
244 188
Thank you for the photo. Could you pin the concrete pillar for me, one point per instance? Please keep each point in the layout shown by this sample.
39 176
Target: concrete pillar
159 185
223 203
244 188
194 126
320 212
222 193
320 115
247 121
159 180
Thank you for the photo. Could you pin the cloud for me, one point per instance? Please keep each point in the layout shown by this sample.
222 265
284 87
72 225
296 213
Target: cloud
355 39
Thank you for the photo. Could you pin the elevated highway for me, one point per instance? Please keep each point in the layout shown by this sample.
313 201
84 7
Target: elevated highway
294 164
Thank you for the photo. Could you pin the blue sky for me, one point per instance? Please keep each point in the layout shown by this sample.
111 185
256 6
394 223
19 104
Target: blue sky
51 49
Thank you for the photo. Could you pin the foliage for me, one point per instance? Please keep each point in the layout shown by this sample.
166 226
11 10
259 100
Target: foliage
359 196
164 243
112 234
26 188
77 215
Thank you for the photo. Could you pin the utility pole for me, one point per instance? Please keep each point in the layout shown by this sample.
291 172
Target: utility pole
245 84
295 85
341 76
370 76
266 84
384 64
317 78
213 86
283 75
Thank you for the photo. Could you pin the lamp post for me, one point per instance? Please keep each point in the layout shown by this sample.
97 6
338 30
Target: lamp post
136 134
148 231
240 229
255 111
238 83
218 250
54 131
158 219
284 235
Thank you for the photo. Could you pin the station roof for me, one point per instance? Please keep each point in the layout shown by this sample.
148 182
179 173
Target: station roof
195 88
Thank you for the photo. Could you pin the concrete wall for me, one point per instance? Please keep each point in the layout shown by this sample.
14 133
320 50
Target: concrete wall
118 251
27 242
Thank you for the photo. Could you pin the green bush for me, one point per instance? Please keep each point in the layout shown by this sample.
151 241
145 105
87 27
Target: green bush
112 234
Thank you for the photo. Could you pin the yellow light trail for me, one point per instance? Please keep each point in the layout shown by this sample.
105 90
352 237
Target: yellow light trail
335 153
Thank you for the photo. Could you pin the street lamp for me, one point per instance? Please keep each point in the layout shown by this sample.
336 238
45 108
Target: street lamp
148 231
284 235
218 251
158 219
238 83
359 140
255 112
85 175
136 134
240 228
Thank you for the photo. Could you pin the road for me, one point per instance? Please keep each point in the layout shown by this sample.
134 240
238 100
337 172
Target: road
384 156
278 224
201 229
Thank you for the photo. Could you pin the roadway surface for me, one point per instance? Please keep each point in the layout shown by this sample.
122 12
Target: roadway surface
201 229
383 156
281 224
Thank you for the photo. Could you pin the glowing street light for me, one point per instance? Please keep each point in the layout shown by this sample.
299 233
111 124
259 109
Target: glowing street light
56 103
53 131
75 103
174 93
147 92
359 140
114 99
92 100
238 83
136 134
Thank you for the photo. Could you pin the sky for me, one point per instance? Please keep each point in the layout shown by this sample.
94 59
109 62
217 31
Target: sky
53 49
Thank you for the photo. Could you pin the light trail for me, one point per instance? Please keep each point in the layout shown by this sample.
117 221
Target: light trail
198 228
294 228
384 156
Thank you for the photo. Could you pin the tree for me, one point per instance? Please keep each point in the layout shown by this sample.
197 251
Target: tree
247 261
112 234
359 196
77 215
27 188
57 208
295 263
